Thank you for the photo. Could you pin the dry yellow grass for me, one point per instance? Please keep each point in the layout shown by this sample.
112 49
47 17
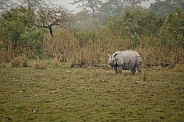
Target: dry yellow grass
91 48
94 51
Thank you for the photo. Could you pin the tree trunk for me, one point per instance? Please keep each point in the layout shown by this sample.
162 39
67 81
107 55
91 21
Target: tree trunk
93 13
52 40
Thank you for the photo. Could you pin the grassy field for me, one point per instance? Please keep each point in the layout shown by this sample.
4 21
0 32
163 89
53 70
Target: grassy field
91 94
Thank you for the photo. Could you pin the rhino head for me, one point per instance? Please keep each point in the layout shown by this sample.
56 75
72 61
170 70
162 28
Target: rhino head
112 59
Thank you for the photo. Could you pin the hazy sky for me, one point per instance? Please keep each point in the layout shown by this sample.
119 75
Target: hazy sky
67 5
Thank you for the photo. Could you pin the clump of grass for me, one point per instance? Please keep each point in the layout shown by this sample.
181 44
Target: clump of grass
56 61
5 65
143 76
178 68
41 66
20 61
2 65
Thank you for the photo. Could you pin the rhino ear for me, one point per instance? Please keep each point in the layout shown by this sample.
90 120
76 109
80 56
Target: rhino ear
115 55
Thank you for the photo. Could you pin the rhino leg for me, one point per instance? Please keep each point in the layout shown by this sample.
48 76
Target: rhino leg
138 64
119 69
133 70
116 69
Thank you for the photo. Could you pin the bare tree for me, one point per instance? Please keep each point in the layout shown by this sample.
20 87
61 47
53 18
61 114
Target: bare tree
48 17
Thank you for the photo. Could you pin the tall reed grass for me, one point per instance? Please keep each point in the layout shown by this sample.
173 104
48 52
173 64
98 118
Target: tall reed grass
92 48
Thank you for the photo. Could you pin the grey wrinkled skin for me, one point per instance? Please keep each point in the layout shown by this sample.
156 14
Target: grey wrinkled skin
125 60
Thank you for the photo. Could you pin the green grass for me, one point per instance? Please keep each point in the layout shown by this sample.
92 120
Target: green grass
91 94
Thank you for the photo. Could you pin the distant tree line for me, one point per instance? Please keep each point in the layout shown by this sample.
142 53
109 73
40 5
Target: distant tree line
131 20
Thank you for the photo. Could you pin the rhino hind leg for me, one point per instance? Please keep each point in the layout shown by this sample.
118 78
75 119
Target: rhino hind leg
138 64
119 69
133 70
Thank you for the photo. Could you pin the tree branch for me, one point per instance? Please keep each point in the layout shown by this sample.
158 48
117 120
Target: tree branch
42 26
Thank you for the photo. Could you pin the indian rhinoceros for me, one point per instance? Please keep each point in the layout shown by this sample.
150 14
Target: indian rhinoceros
125 60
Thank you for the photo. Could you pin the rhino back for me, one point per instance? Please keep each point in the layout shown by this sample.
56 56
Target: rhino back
127 59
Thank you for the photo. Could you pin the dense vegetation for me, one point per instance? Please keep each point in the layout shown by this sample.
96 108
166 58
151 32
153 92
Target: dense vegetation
89 38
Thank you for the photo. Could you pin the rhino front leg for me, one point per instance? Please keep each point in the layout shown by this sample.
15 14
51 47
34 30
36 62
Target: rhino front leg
133 70
116 69
119 69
